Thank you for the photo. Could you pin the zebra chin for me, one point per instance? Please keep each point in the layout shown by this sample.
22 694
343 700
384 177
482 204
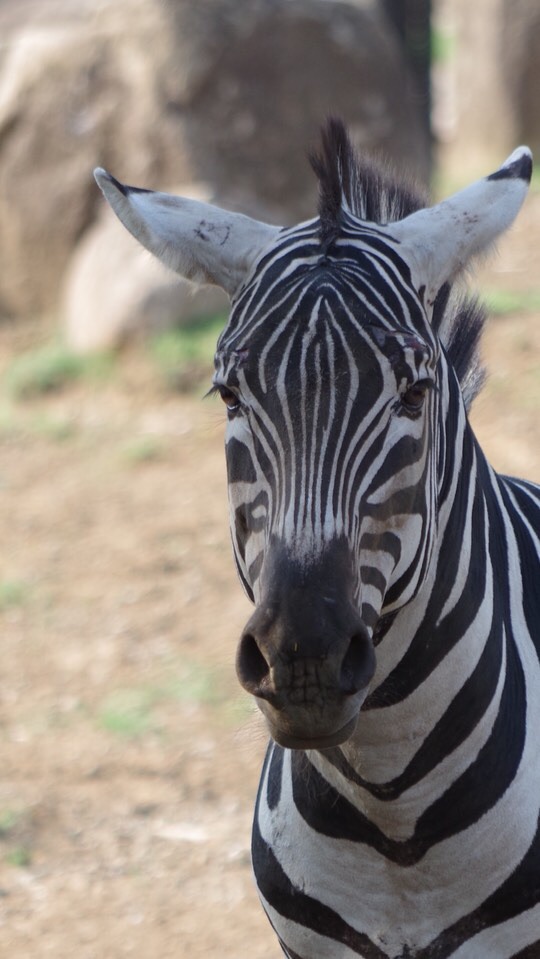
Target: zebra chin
287 731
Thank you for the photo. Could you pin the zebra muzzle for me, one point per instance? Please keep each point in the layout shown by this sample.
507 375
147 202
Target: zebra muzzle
308 666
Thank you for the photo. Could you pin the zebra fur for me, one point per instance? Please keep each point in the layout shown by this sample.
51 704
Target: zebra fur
394 646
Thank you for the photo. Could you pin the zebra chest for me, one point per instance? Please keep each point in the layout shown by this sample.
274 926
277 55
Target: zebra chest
327 895
334 887
329 900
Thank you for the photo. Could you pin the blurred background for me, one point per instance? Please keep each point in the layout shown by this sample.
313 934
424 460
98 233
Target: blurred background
129 757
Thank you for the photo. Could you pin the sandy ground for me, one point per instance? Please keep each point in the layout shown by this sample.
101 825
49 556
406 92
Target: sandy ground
129 756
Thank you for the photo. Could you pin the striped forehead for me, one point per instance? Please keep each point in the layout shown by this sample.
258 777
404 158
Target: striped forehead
357 301
320 342
362 282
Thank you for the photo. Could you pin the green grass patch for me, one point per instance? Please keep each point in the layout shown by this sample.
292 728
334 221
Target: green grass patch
503 302
17 423
196 684
55 428
128 713
535 179
20 857
184 355
133 713
9 421
144 449
51 368
443 45
14 593
12 826
9 819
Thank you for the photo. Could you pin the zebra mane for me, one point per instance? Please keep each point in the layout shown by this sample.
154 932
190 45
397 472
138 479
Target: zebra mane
369 191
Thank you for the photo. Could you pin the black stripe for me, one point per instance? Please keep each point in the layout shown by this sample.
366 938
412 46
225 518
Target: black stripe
291 903
487 778
520 169
275 775
454 727
240 466
334 816
434 640
528 551
529 952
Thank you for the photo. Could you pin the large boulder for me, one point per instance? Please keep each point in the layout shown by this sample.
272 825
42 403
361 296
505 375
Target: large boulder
76 88
229 92
262 78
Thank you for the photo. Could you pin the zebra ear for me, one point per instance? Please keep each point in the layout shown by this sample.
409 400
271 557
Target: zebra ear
199 241
438 243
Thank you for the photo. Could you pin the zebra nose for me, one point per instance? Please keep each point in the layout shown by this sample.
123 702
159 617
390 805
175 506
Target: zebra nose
358 664
252 666
266 665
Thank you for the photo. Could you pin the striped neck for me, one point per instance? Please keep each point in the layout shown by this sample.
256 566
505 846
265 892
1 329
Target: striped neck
446 673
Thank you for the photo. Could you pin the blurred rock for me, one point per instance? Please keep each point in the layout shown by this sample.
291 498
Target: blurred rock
226 92
114 291
76 88
255 80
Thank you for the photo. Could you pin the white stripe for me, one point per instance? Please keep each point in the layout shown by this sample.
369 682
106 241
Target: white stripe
414 904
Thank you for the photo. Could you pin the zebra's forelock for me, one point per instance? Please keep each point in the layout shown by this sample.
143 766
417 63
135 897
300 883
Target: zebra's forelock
370 191
354 184
333 165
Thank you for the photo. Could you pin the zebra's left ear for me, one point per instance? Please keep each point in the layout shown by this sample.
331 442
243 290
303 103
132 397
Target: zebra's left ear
438 243
199 241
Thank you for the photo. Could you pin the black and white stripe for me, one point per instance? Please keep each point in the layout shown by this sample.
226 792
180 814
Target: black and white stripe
419 835
394 646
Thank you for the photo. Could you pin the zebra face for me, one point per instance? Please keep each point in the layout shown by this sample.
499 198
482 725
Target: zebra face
336 400
330 456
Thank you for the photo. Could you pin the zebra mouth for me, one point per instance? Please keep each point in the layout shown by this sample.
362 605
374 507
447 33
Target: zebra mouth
291 740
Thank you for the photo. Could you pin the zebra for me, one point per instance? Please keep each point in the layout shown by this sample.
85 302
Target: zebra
394 645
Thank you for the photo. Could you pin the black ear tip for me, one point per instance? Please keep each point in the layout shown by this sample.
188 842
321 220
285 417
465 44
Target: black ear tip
519 166
524 167
103 178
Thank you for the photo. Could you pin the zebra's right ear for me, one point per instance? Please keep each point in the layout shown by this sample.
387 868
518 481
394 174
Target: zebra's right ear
197 240
440 242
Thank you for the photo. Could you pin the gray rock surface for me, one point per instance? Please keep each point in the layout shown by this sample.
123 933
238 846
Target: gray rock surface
230 93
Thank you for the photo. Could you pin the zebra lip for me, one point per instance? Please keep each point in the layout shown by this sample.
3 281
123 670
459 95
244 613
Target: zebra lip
291 741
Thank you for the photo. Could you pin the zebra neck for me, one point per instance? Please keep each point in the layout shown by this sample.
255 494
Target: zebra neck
442 677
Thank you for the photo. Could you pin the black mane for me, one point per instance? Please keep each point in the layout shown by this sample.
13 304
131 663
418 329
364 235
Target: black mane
348 182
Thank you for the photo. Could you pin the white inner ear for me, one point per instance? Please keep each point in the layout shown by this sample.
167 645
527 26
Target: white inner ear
199 241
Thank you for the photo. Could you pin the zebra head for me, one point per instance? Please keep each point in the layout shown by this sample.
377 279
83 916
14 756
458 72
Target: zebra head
337 388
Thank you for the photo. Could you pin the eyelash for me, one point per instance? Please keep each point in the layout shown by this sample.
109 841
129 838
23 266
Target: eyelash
229 398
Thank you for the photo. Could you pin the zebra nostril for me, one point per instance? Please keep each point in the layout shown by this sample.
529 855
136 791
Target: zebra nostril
251 666
358 665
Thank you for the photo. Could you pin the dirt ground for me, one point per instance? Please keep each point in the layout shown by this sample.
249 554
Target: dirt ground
129 758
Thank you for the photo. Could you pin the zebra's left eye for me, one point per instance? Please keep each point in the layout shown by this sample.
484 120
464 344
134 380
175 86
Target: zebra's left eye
230 399
413 397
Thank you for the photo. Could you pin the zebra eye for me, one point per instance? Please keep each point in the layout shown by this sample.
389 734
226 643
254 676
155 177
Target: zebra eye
230 399
413 398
